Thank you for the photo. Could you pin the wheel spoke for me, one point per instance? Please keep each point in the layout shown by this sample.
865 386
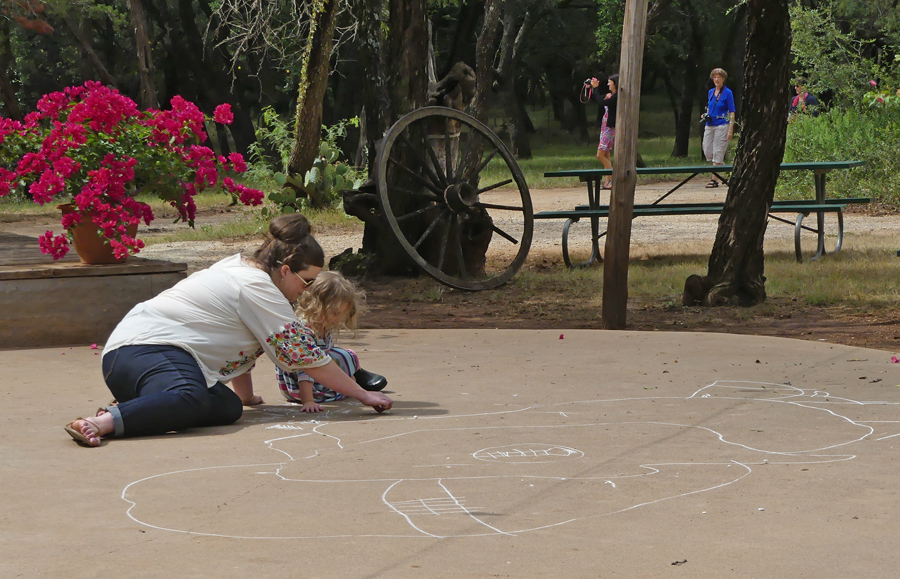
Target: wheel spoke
447 155
416 176
430 229
460 262
481 165
494 186
474 151
415 213
443 252
438 181
461 224
503 207
419 194
437 165
505 235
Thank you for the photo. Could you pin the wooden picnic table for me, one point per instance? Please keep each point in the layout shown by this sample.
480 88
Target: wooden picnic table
595 210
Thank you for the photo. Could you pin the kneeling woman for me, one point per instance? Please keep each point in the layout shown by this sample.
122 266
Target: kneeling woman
168 360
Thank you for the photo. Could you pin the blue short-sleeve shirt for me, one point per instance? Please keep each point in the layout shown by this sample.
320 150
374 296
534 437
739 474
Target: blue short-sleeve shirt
720 108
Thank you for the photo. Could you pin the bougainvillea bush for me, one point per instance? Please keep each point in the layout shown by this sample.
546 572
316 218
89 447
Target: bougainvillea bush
91 146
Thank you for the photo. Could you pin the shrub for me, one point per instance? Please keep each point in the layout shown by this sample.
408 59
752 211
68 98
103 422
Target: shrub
870 135
322 183
91 145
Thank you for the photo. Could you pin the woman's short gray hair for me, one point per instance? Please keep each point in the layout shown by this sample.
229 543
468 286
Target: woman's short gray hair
720 71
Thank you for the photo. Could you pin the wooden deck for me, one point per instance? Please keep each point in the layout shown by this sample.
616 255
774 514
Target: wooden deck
53 303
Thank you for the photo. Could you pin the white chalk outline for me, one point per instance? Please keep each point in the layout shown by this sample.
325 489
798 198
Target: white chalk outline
451 504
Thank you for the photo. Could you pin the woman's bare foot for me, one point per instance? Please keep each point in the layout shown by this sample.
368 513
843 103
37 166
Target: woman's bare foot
89 431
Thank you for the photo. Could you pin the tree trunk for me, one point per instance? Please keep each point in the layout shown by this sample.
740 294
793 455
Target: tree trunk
144 58
212 80
388 94
735 273
511 45
103 75
10 99
375 121
462 47
313 84
684 113
375 97
408 53
484 57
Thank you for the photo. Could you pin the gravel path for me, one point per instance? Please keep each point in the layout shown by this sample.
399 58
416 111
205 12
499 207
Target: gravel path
660 234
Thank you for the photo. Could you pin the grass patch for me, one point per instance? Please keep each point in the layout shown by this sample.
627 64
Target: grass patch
249 223
242 227
555 149
17 205
862 277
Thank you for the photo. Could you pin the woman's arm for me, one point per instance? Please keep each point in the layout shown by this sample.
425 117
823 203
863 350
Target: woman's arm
243 387
730 125
333 377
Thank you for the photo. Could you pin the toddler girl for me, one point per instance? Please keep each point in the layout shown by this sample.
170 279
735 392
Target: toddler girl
331 303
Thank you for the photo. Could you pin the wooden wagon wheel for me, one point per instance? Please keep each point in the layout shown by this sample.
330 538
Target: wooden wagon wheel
455 198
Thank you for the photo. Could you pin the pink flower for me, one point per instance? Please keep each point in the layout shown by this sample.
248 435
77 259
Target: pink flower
873 83
223 114
245 194
57 247
93 145
70 220
237 162
880 100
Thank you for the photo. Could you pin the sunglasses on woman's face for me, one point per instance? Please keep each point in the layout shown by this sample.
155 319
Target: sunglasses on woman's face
306 282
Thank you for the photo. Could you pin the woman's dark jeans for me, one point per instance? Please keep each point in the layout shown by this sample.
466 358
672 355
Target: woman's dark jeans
161 389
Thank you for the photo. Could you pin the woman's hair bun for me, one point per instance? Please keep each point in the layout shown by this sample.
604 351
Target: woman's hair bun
292 228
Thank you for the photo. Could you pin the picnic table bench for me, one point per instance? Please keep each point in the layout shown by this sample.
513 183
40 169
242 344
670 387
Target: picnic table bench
594 210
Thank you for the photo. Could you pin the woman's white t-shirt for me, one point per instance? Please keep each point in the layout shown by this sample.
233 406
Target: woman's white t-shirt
226 317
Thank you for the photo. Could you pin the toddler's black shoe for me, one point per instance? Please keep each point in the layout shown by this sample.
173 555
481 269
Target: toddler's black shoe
370 381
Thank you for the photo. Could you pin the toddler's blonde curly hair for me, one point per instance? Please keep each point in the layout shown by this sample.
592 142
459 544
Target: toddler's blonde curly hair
328 295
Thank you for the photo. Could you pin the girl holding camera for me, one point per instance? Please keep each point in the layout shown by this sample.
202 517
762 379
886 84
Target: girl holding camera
719 120
608 128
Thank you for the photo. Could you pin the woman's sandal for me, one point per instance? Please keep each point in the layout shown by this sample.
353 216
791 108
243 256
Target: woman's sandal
607 186
712 184
79 436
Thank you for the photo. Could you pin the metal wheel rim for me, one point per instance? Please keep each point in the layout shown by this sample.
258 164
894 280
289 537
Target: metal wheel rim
528 214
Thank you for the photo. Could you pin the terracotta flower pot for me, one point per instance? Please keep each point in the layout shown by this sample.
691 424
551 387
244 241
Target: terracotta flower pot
90 246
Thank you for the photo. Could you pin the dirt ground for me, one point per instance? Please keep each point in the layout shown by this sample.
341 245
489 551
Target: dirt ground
421 303
779 317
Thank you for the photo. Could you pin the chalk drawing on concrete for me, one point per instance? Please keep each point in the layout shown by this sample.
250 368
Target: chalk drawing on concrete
508 472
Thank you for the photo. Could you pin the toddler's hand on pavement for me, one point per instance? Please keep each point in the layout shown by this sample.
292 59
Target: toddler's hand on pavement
311 407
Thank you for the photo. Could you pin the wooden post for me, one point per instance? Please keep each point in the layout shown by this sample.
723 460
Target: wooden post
624 177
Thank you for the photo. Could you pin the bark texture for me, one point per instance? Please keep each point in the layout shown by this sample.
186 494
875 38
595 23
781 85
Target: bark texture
313 84
145 59
10 100
736 265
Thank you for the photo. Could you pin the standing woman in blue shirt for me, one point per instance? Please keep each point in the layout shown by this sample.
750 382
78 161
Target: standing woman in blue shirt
719 121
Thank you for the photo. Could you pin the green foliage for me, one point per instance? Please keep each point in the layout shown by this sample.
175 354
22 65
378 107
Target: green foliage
883 97
328 175
868 135
275 132
831 59
864 121
323 181
610 15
